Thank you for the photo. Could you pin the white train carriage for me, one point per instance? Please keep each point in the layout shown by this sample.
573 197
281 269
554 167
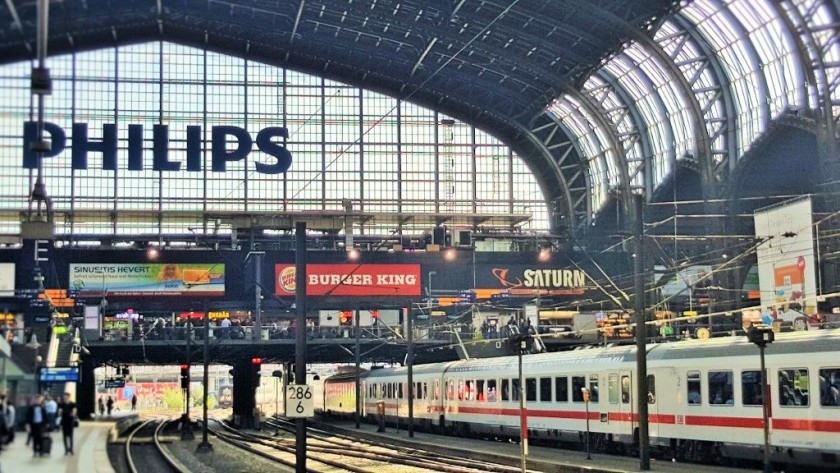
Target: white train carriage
390 387
483 396
709 398
704 397
340 394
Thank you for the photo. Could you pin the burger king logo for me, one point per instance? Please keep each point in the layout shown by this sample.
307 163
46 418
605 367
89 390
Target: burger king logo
287 279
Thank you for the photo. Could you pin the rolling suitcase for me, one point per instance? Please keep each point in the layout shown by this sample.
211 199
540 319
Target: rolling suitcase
46 445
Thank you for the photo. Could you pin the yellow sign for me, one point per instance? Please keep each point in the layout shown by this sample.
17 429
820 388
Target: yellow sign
218 314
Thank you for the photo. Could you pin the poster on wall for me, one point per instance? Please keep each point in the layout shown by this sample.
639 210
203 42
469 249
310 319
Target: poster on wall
148 279
787 274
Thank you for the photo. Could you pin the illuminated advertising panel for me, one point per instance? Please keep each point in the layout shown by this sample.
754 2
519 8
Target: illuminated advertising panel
148 279
350 279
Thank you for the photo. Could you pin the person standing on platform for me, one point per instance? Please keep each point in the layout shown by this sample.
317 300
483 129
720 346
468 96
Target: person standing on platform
69 420
9 418
36 419
52 410
225 329
101 407
4 431
110 404
134 402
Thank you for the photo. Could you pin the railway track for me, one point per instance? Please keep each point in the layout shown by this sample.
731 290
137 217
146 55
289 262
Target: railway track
362 456
144 450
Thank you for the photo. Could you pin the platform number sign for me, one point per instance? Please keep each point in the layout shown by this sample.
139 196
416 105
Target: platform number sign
299 401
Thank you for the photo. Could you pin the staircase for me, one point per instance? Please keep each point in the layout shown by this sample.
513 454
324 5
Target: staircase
62 358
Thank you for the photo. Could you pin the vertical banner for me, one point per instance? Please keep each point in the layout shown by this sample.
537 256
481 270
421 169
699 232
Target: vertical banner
7 279
787 275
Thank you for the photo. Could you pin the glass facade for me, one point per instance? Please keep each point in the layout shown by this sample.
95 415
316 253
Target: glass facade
386 156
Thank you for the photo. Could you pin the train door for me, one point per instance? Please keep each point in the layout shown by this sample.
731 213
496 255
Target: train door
626 406
653 424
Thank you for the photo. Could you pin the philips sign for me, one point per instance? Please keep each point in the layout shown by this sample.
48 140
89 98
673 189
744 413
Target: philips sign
107 146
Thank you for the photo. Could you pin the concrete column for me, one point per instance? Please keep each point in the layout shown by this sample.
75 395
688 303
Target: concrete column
244 394
86 389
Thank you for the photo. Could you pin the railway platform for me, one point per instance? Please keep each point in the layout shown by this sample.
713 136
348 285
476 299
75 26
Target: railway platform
91 450
538 459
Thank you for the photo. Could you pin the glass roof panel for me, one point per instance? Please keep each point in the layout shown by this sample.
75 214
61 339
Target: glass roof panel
733 52
768 35
592 144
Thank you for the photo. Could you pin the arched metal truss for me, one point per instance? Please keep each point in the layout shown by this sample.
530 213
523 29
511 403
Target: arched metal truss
595 96
733 67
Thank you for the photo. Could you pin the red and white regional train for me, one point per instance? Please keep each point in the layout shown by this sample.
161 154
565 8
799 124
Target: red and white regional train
704 397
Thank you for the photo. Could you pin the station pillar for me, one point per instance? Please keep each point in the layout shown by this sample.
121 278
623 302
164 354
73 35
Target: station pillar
244 394
86 389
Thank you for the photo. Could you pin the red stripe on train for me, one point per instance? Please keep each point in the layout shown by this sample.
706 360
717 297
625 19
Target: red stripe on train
806 424
689 420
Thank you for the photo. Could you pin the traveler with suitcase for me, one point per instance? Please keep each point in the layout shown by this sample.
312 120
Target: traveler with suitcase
36 421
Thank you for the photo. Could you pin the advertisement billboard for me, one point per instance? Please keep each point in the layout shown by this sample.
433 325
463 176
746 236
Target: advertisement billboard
350 280
787 277
148 279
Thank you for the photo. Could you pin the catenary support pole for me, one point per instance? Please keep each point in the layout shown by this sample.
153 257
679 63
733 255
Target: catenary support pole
641 335
409 361
205 446
300 337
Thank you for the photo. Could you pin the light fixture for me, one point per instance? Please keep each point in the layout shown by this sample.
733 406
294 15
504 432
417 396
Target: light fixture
450 254
353 254
152 253
544 255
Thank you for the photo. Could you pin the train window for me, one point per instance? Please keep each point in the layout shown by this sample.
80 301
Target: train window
505 390
830 387
418 391
695 393
437 389
514 389
450 389
531 389
545 389
491 390
578 382
561 389
469 390
651 385
479 387
425 390
593 387
793 387
751 392
400 391
612 388
721 388
625 389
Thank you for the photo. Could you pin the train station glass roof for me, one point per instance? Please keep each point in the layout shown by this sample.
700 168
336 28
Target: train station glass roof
549 109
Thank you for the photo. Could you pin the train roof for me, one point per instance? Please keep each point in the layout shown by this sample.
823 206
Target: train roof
812 341
433 368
